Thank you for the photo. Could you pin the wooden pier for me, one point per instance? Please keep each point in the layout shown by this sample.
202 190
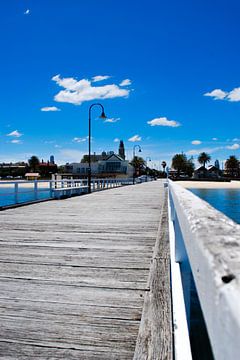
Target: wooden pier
87 277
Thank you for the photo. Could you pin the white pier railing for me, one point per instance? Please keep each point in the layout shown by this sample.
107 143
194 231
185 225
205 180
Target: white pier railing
15 192
207 246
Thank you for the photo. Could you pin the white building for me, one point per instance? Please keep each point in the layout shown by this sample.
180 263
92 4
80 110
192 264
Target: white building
106 164
112 165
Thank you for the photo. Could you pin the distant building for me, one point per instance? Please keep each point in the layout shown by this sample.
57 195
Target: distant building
216 164
211 172
104 165
32 176
46 168
52 159
13 169
121 150
214 171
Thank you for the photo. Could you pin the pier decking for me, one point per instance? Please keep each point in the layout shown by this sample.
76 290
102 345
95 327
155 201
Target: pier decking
76 275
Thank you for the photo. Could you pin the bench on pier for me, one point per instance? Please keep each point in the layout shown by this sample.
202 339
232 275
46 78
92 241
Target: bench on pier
65 192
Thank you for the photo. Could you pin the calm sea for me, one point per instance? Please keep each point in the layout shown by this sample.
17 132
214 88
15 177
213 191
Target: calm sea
224 200
25 194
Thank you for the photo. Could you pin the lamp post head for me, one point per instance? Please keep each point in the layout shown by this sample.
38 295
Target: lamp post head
103 115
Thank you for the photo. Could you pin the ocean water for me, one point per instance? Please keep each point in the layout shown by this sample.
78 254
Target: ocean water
228 202
225 200
25 194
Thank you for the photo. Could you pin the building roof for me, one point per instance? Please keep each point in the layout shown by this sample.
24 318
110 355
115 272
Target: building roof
115 155
200 168
32 174
212 167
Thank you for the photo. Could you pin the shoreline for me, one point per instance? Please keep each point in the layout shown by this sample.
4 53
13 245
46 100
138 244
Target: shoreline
209 184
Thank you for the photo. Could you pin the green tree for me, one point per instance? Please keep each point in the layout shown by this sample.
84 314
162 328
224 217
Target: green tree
232 165
179 162
33 163
204 158
139 164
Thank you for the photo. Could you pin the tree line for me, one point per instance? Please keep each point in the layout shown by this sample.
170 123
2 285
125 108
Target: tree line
21 168
182 164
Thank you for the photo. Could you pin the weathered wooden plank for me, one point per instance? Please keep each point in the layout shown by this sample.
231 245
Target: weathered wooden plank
39 290
121 312
101 277
72 261
38 351
155 332
78 334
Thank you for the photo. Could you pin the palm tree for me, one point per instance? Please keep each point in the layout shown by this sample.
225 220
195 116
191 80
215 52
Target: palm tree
138 163
164 164
33 163
204 158
179 162
232 165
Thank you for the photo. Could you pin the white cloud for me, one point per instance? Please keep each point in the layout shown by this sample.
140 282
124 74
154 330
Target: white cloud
233 147
15 133
113 120
50 108
70 155
234 95
207 150
116 140
196 142
15 141
214 139
218 94
27 12
49 141
76 92
79 140
100 78
236 139
125 82
163 121
135 138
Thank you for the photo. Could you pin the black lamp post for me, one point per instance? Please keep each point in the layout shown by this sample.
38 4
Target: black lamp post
139 150
102 116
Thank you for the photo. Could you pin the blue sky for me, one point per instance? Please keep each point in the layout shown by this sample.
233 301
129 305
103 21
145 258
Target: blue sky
179 60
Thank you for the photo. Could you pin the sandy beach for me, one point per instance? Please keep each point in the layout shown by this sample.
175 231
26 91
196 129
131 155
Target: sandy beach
209 184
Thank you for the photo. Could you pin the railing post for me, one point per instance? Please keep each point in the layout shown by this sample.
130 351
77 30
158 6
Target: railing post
35 190
51 188
16 192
